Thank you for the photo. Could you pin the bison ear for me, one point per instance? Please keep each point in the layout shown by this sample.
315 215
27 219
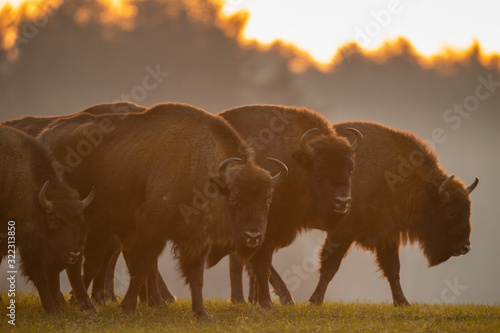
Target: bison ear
302 158
218 183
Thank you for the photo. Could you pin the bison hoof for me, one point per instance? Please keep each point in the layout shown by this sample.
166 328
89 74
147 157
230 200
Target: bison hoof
128 311
204 314
287 301
87 307
266 304
171 300
52 310
99 298
156 303
315 300
237 300
402 302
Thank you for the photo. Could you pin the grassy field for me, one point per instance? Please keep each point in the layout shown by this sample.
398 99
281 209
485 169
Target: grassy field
332 316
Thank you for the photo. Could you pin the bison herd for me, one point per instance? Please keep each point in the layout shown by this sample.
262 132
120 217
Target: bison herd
121 178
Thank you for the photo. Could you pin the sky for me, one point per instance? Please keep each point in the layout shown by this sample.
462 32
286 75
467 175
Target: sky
321 27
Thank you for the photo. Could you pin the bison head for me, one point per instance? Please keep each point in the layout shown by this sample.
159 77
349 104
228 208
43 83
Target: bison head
447 215
64 220
248 190
329 162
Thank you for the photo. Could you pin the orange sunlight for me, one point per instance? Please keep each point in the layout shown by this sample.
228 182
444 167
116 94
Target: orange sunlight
377 32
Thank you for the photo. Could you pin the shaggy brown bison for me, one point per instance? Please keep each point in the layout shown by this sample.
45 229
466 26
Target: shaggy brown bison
400 193
35 125
46 214
317 192
173 172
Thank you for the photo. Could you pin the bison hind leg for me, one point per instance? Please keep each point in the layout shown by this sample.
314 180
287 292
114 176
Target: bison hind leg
388 261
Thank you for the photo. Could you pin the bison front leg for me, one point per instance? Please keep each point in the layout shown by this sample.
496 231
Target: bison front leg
101 245
42 285
261 263
388 261
280 288
55 288
82 299
153 293
36 271
140 259
236 277
332 254
253 297
193 271
103 279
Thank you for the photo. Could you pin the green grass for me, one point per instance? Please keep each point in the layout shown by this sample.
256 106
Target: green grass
332 316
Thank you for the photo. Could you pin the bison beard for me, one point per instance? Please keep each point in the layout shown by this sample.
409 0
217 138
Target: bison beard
318 159
47 225
34 126
427 206
166 156
317 191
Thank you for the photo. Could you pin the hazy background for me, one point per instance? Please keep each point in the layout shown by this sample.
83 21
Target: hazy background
67 66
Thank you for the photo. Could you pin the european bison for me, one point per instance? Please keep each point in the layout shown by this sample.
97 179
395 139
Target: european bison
317 192
173 172
46 214
35 125
400 193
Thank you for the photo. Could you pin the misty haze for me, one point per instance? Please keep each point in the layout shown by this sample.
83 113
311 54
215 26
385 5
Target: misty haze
70 64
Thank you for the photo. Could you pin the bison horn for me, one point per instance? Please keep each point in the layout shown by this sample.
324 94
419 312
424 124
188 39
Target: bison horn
443 193
359 139
42 197
473 185
281 176
225 163
303 142
88 200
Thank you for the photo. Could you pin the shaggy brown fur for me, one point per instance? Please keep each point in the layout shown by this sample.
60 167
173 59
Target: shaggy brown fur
155 173
395 199
35 125
47 238
308 198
